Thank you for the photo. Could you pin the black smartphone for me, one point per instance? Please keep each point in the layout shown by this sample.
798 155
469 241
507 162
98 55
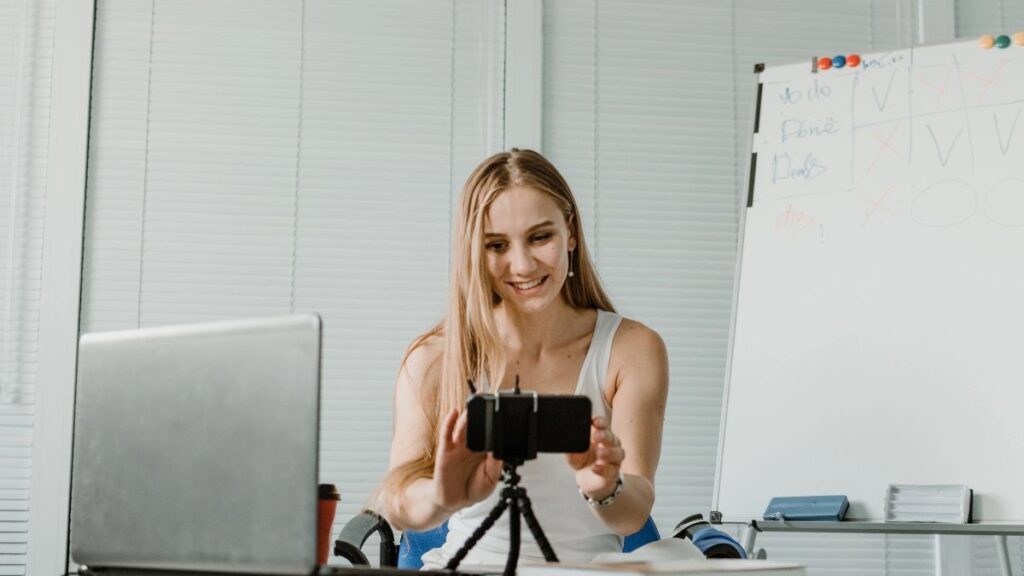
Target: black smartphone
520 425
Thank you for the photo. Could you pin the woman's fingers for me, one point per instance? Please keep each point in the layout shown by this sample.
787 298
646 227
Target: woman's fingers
607 455
459 432
461 477
447 428
598 424
599 467
601 433
493 468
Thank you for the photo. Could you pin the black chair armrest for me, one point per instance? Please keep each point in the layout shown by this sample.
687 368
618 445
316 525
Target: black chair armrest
710 540
355 533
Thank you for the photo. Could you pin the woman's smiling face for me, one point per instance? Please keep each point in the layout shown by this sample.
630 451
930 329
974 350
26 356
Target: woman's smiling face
527 244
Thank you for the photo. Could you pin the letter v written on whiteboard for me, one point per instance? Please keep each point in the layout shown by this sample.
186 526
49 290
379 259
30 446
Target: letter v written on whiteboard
943 159
888 90
1009 136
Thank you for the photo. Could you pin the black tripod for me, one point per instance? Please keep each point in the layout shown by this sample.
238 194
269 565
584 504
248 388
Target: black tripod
513 497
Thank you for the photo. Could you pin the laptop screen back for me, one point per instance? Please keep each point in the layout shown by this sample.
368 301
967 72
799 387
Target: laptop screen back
196 447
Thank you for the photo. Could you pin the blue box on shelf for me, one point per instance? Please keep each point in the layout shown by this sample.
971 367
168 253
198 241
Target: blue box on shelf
807 508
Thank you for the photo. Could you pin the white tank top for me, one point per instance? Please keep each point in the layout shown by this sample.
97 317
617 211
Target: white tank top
576 534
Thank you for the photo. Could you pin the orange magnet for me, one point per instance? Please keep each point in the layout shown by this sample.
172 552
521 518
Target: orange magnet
824 63
853 60
986 41
1018 39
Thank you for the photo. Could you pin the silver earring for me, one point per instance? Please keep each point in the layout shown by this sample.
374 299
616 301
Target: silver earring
571 273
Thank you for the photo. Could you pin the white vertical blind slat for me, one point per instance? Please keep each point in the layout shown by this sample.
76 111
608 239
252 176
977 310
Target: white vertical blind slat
639 117
26 56
357 231
259 158
978 17
118 157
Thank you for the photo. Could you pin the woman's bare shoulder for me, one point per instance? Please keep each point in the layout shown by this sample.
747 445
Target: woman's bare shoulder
634 337
422 363
638 354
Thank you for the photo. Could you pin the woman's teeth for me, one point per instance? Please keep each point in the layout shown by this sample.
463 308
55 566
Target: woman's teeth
527 285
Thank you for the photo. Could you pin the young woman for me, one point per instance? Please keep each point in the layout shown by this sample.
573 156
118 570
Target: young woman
525 300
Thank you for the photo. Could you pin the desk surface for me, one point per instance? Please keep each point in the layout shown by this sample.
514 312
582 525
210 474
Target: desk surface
695 567
322 571
987 528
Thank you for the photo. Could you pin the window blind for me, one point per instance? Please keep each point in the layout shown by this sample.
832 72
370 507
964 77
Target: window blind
256 158
984 559
26 54
639 116
977 17
647 112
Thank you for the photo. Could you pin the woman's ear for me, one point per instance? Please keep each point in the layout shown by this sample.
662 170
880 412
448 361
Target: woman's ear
570 221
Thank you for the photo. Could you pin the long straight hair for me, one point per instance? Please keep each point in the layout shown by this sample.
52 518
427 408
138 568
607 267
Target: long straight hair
472 347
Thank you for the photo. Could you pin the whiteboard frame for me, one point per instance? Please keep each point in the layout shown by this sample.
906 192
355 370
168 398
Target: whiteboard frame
743 198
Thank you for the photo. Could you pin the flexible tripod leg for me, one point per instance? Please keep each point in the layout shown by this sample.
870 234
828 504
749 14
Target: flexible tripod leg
477 534
512 496
513 541
524 506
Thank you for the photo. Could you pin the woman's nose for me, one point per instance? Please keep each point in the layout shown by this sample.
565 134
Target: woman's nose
521 260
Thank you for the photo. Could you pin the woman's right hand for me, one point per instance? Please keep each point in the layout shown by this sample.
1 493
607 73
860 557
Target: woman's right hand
461 477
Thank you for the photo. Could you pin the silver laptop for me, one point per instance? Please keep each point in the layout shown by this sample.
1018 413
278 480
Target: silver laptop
196 447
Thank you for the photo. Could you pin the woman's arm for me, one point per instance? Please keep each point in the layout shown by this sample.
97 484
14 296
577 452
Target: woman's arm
412 507
632 444
459 477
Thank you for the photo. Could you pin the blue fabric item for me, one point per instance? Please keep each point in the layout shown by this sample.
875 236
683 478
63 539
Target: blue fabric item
645 535
705 538
415 544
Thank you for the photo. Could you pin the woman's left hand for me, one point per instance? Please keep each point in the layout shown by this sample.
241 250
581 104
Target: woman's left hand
598 469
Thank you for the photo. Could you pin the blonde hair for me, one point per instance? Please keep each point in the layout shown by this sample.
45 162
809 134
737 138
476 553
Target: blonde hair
471 344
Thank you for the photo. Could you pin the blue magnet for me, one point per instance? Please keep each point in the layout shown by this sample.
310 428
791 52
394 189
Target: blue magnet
838 61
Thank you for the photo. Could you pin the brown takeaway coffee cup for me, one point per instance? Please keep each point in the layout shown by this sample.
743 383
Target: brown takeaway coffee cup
328 505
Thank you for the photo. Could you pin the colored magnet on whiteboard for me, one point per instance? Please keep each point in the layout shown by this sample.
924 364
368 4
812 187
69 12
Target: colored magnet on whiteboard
853 60
986 41
839 61
1003 41
1018 38
824 63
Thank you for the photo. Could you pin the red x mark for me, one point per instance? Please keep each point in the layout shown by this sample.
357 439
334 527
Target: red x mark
940 90
989 82
886 144
876 206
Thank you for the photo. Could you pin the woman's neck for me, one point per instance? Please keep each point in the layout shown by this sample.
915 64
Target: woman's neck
530 335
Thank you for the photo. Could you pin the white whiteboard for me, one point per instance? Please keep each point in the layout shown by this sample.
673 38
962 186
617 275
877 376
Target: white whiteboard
879 324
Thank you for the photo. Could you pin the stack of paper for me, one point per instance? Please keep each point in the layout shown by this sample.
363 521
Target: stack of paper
949 503
668 568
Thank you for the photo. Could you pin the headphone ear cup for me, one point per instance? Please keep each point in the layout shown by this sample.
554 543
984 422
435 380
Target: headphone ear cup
717 544
687 526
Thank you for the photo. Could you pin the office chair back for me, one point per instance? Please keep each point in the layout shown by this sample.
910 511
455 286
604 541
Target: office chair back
415 544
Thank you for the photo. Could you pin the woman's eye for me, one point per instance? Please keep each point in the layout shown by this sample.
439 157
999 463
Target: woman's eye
496 246
542 237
